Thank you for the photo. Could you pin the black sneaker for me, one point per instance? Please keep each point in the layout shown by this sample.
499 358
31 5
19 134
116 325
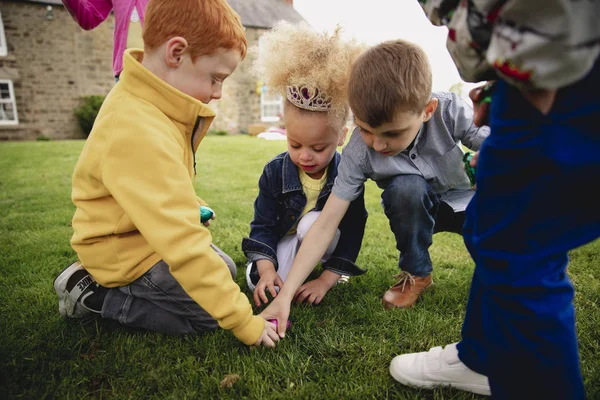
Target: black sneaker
78 293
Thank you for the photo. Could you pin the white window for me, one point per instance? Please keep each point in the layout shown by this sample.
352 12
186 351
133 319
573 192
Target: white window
271 106
3 48
8 105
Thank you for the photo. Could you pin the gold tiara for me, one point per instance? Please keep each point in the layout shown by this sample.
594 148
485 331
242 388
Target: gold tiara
308 99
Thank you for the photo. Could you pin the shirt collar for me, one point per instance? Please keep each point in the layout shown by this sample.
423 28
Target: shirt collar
175 104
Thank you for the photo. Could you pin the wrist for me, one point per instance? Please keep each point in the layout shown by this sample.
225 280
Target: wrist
264 266
285 294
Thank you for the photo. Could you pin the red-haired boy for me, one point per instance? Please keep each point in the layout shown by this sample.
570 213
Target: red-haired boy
137 225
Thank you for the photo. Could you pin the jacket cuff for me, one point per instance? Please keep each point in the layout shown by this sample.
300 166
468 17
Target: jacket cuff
343 267
250 333
256 250
254 257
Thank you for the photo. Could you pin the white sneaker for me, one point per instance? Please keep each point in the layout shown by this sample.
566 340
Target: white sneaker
438 367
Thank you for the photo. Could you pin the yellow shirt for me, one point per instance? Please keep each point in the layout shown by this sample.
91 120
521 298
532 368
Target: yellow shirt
312 188
133 187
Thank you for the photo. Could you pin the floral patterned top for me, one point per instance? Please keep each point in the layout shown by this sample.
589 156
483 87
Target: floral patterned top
544 44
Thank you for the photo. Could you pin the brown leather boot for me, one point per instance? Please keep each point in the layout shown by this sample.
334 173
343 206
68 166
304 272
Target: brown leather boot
406 291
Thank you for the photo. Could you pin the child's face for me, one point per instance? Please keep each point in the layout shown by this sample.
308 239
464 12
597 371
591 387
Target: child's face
311 140
392 138
203 78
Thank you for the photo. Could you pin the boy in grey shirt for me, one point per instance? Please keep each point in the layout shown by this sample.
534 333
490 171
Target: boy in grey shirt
408 141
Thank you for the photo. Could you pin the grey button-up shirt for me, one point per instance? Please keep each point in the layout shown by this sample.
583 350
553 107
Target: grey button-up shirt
436 155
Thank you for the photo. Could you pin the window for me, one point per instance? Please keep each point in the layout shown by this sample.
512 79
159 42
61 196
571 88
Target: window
8 105
271 106
3 48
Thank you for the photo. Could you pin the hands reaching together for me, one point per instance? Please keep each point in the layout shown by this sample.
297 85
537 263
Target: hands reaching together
269 336
311 292
279 309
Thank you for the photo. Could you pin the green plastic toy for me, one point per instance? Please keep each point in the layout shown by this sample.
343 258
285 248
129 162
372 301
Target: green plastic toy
206 213
468 168
486 93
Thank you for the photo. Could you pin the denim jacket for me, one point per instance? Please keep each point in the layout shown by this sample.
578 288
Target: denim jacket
279 204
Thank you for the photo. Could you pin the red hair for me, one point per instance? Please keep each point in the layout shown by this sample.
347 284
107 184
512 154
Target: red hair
206 25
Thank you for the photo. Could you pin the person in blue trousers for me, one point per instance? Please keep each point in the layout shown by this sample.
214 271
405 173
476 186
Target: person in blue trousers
533 201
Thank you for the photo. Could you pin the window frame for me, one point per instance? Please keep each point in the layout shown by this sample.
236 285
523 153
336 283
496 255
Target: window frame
11 100
3 45
275 100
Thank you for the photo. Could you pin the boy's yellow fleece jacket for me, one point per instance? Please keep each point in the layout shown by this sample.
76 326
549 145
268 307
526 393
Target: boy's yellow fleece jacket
136 204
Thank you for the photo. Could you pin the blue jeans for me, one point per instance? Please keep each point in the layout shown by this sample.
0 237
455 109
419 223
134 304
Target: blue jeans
532 205
157 302
415 213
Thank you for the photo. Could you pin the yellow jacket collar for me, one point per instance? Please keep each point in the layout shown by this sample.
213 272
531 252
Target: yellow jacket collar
175 104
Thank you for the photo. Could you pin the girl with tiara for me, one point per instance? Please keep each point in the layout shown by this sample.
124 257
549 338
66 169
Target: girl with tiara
311 70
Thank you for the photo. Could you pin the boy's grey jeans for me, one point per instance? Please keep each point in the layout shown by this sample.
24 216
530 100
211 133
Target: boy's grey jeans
157 302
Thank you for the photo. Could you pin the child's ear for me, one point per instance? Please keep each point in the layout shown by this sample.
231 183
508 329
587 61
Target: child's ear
175 49
430 109
343 136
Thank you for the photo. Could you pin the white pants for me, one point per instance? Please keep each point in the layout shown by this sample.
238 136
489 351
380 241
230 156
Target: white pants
288 246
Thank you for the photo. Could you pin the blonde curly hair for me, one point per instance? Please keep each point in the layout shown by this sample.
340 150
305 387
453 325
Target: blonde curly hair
297 55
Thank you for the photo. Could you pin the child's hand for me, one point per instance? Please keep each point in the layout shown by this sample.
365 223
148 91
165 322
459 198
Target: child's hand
313 292
269 278
473 161
206 215
269 336
279 309
481 103
470 165
207 223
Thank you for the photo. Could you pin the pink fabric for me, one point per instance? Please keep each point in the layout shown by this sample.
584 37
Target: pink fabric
91 13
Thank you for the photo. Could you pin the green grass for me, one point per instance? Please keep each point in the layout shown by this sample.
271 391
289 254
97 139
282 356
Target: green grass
340 349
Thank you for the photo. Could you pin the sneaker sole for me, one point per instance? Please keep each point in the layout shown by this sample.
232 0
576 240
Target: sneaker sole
412 382
248 280
60 287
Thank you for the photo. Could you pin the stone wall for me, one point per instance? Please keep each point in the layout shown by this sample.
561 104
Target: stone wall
240 104
53 63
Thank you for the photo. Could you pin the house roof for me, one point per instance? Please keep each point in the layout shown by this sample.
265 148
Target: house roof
264 13
55 2
254 13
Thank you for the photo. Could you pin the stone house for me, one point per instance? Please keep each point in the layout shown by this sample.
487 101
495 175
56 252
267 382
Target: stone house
47 63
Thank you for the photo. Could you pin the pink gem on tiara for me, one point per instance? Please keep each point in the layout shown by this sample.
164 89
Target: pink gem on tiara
308 99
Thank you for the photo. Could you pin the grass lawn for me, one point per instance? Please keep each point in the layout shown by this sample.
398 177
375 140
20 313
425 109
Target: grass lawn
340 349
